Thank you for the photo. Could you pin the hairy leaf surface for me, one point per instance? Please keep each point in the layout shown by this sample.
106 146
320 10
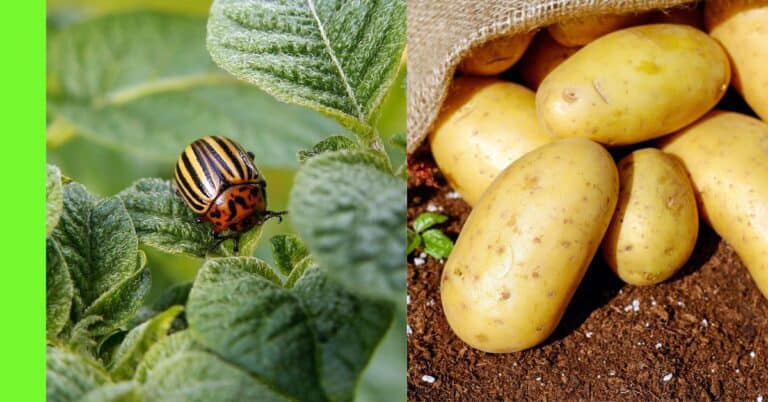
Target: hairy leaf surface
335 56
351 214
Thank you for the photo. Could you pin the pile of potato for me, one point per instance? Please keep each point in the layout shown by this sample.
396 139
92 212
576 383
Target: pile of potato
545 191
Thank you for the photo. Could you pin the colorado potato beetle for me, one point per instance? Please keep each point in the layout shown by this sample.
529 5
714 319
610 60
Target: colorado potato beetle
218 180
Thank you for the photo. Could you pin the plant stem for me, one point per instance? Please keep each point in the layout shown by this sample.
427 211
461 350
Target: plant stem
373 141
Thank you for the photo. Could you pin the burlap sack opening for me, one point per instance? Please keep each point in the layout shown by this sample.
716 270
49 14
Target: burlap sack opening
441 32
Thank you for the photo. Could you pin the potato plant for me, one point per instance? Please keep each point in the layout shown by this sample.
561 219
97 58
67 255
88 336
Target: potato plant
303 327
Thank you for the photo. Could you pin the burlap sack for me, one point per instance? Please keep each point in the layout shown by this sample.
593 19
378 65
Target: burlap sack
441 32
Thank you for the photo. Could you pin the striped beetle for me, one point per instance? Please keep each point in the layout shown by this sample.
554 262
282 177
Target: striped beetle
217 179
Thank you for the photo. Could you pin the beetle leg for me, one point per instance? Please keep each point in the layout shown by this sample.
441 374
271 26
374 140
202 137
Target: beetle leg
267 215
216 243
236 243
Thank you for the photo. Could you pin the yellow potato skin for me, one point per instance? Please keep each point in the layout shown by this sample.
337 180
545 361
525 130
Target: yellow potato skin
581 31
542 57
484 126
634 84
496 56
527 244
726 155
656 223
741 26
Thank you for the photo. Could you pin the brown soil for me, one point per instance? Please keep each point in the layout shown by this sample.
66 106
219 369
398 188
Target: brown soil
702 335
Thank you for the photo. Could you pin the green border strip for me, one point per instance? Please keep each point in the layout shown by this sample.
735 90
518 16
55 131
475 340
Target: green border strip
22 289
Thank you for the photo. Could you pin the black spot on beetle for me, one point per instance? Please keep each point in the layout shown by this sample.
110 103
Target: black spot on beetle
241 201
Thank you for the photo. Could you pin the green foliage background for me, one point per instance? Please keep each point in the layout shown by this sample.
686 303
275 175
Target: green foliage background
107 167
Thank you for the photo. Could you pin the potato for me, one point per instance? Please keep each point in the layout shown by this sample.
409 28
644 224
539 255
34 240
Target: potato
581 31
542 57
654 228
726 155
633 85
741 26
485 125
527 244
496 56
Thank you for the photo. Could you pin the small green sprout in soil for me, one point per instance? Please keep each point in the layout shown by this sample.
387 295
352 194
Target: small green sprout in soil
435 242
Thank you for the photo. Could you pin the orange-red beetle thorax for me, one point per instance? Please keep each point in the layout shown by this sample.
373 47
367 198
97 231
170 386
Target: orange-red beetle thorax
237 208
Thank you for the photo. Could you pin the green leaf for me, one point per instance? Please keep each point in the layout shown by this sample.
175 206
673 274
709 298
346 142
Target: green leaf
298 272
238 309
426 220
333 143
351 214
165 348
347 329
122 392
337 57
414 241
119 304
79 337
163 221
58 290
399 140
437 244
138 341
69 376
53 198
145 84
176 294
288 251
100 247
193 376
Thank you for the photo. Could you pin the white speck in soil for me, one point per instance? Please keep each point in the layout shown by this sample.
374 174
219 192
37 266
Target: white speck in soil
428 378
705 323
407 299
738 371
759 398
612 373
432 208
418 261
667 377
752 355
408 330
588 334
431 302
647 324
658 345
636 305
653 302
423 255
680 303
453 195
538 379
598 376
